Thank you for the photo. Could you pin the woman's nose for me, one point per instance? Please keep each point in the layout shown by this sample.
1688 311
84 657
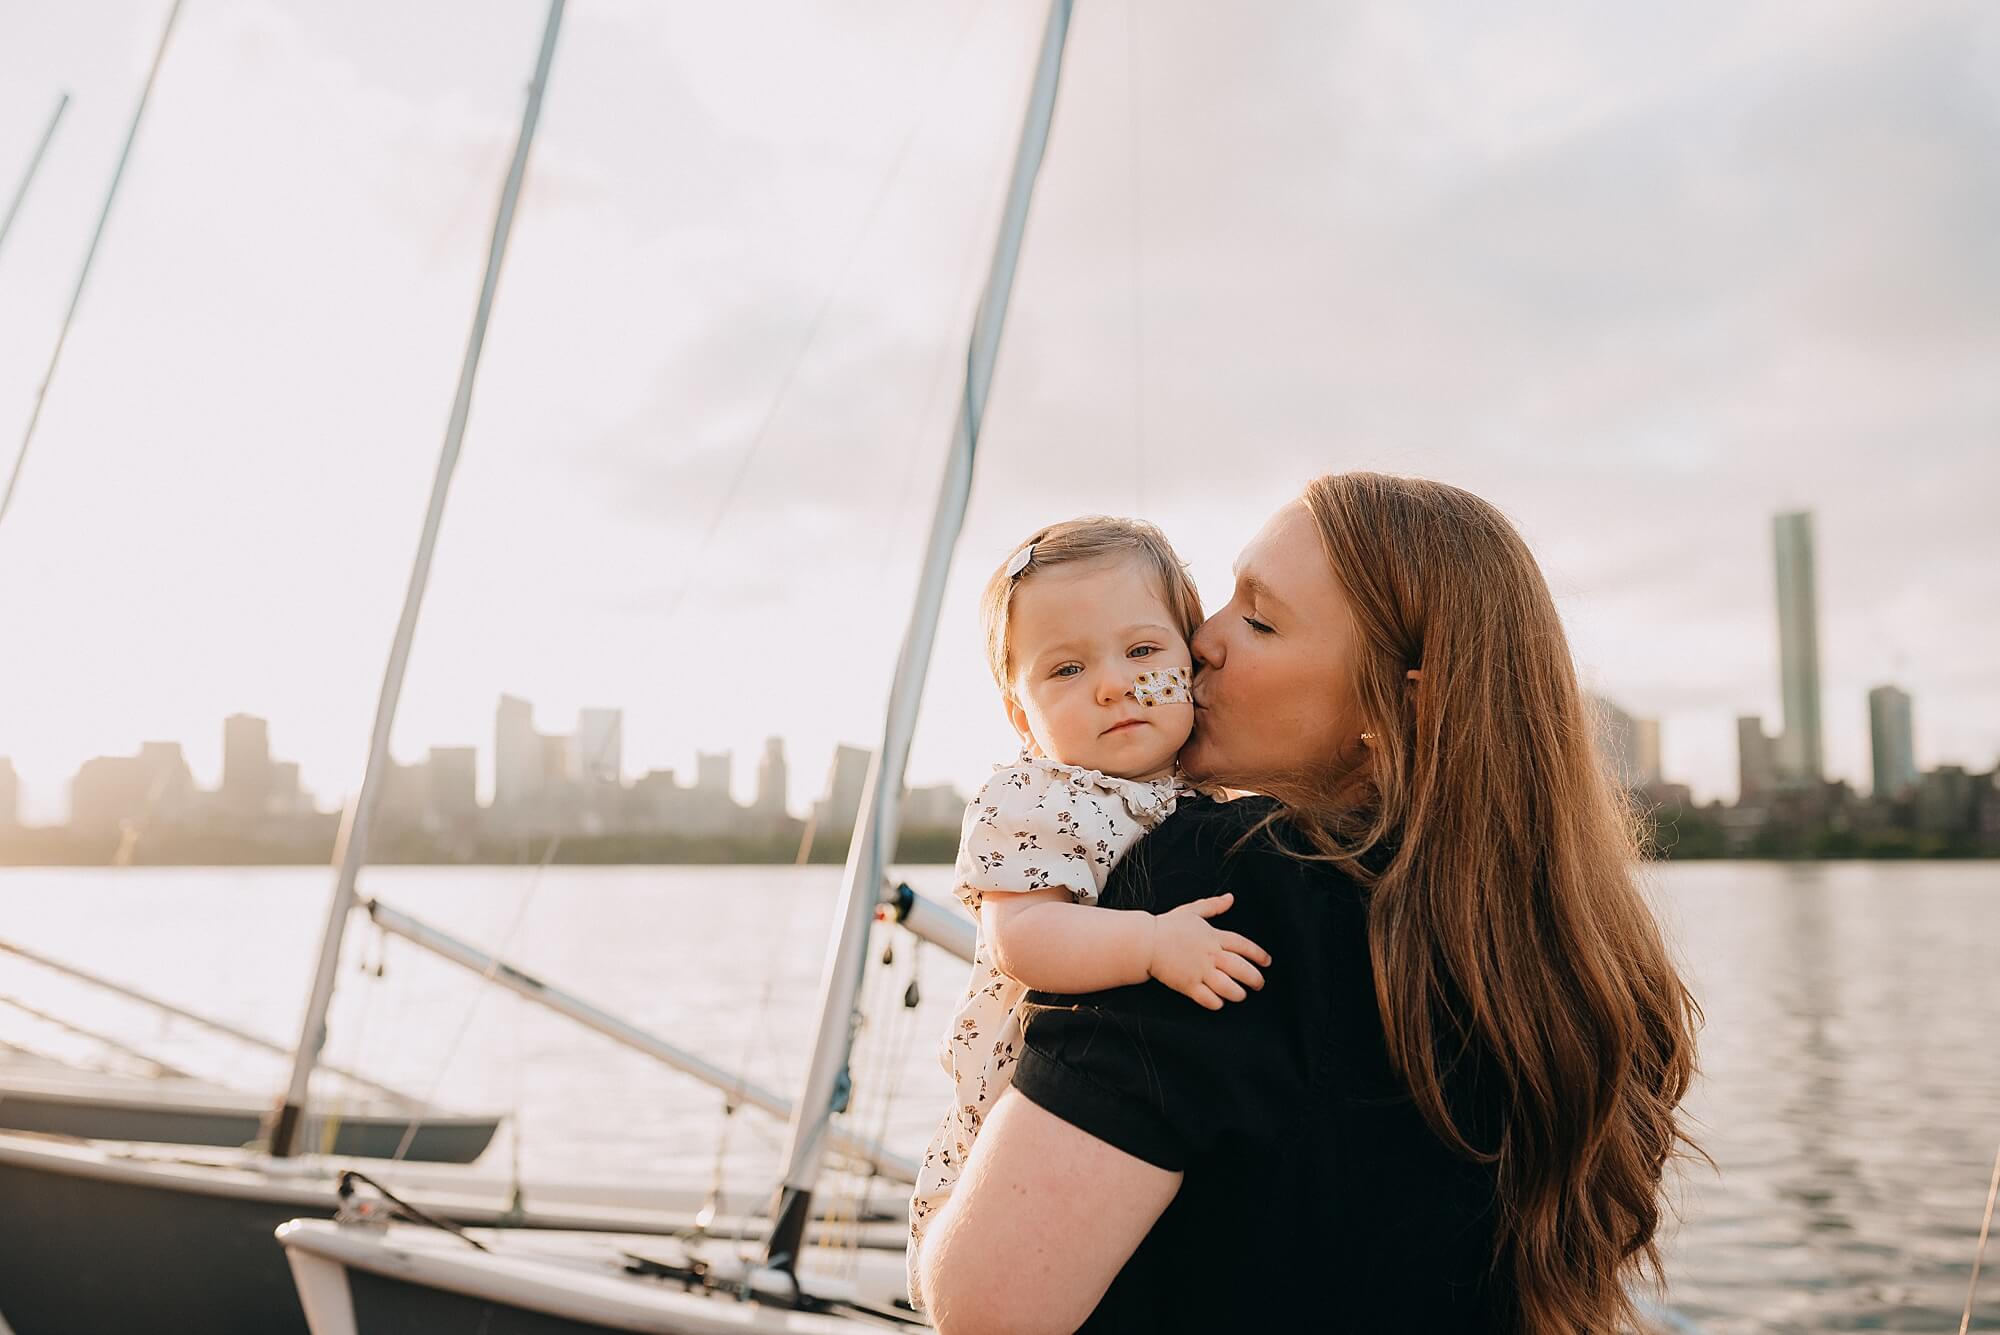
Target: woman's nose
1206 646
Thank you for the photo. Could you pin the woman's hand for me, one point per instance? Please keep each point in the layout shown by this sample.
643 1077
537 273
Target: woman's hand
1203 962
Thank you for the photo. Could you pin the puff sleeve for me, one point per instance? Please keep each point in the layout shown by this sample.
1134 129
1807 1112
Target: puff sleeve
1028 829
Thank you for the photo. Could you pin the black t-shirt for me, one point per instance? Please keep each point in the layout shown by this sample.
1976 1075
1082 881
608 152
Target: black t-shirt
1315 1196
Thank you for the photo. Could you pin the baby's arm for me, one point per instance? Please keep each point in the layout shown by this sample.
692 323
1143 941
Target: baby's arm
1051 944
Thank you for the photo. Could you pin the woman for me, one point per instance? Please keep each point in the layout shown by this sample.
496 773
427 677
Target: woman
1450 1106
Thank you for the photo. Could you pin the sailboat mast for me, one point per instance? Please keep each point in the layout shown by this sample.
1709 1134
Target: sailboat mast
354 831
827 1080
34 165
89 256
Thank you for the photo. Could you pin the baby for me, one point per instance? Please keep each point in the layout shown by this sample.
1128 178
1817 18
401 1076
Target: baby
1087 630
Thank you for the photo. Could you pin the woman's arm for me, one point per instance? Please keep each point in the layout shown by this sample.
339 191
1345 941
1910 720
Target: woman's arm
1040 1223
1042 939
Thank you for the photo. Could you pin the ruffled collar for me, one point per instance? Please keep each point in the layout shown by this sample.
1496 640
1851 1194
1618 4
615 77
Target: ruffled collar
1149 800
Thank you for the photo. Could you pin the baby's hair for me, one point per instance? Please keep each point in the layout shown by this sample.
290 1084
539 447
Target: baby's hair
1090 538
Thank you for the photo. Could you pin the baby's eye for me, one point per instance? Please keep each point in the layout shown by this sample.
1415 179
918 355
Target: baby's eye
1141 650
1067 670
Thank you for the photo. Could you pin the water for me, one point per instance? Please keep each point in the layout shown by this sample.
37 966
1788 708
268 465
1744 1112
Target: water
1850 1094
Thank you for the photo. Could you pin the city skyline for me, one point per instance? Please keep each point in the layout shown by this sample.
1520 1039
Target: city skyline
1636 309
525 761
252 773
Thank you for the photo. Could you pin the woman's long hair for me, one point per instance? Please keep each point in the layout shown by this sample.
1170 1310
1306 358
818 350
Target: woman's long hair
1505 924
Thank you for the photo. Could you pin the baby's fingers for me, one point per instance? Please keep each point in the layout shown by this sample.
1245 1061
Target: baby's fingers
1213 905
1245 947
1242 970
1203 996
1224 986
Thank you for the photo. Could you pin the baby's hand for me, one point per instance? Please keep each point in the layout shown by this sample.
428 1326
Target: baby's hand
1204 962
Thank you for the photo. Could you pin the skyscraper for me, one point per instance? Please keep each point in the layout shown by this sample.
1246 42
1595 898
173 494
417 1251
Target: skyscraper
772 779
600 745
1756 760
1891 741
452 787
287 797
1631 746
517 754
246 764
711 773
1648 760
838 810
1618 740
1800 759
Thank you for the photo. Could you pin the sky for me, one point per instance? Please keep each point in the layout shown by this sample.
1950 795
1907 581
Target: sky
1643 278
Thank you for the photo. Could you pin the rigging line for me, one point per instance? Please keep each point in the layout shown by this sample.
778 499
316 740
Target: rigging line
950 352
1985 1228
351 845
758 1033
692 567
357 1047
34 164
89 256
481 990
899 1034
476 182
842 1216
1138 266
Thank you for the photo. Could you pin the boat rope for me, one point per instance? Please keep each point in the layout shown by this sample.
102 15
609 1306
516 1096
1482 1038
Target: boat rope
89 257
481 990
1978 1256
352 1208
759 1034
964 295
1136 250
880 1063
693 567
357 1045
841 1220
897 1038
105 1040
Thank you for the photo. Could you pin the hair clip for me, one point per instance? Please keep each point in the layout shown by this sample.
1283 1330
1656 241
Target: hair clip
1020 561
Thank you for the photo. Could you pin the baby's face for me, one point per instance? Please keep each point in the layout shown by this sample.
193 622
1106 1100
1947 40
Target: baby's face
1078 636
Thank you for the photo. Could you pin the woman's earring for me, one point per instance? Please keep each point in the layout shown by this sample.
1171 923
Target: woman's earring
1367 736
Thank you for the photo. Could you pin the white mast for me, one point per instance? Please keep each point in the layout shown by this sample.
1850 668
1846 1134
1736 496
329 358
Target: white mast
353 842
34 165
827 1082
89 254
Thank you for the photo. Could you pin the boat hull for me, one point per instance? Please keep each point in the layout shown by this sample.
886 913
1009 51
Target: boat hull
82 1254
384 1306
362 1280
99 1238
442 1140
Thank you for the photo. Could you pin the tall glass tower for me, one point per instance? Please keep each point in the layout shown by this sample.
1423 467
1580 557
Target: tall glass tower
1800 759
1891 741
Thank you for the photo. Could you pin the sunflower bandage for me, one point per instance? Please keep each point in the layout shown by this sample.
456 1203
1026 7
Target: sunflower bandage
1168 686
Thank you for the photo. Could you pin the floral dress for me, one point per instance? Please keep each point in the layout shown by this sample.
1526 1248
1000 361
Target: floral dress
1035 824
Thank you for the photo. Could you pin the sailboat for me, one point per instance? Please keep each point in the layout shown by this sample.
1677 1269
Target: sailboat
174 1106
359 1277
189 1233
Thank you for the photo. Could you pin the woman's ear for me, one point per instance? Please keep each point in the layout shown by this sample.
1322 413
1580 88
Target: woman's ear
1415 674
